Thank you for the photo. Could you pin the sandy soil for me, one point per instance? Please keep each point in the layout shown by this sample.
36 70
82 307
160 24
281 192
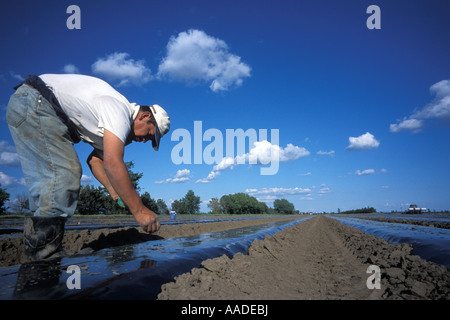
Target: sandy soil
317 259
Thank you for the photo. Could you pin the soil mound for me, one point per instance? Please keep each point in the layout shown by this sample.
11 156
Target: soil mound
320 258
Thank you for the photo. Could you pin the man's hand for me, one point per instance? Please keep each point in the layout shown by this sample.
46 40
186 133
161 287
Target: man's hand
117 174
147 219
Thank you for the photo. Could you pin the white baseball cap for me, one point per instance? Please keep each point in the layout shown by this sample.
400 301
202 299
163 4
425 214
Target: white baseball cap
162 124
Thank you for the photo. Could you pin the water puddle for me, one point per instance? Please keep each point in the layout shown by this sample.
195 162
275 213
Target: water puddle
131 271
432 244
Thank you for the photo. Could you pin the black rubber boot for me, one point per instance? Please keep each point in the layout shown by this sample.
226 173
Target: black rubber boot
42 237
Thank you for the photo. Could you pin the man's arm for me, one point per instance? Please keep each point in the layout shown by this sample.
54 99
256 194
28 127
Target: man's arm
95 163
117 173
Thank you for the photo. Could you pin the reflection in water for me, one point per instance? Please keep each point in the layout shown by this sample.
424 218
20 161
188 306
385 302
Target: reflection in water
90 292
39 280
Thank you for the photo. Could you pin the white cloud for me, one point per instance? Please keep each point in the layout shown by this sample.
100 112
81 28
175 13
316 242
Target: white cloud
85 178
211 176
270 194
407 124
324 190
277 191
8 181
8 155
193 56
180 176
4 146
119 67
9 159
439 108
326 153
225 163
364 142
70 68
263 152
365 172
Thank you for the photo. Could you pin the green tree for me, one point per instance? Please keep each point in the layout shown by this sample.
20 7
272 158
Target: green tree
283 206
149 202
242 203
188 205
97 200
192 202
91 201
179 207
162 206
215 206
134 176
4 197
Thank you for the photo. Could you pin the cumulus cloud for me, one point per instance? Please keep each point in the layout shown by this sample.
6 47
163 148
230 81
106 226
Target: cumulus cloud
407 124
270 194
85 178
326 153
9 159
365 172
363 142
70 68
324 190
180 176
277 191
439 108
263 152
8 181
122 69
193 56
8 155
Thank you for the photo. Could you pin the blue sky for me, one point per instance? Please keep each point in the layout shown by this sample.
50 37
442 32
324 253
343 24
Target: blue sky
362 114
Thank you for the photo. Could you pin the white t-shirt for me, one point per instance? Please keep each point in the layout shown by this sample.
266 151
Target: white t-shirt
92 105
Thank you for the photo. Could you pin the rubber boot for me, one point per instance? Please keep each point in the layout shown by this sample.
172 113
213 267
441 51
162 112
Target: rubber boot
43 237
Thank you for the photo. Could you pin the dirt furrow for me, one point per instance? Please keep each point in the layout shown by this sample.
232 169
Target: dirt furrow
316 259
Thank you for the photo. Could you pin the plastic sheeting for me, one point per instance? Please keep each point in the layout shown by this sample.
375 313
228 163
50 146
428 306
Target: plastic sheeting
129 271
432 244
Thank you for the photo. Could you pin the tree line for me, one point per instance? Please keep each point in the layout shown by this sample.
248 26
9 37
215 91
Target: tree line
362 210
96 200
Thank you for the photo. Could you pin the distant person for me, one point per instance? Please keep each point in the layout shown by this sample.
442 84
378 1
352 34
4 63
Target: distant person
48 114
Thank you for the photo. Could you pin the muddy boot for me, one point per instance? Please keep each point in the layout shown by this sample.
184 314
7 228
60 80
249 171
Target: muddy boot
43 237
